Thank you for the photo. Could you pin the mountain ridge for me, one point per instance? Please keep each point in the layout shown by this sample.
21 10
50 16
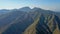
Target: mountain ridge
21 20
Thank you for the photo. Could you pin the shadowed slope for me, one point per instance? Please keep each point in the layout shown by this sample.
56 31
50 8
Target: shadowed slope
36 21
48 25
32 28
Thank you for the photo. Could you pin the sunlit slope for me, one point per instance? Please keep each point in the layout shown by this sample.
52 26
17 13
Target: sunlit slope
20 24
31 29
56 31
36 21
48 24
45 24
33 23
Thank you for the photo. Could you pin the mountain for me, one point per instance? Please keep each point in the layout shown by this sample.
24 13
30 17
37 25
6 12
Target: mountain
26 9
30 21
3 11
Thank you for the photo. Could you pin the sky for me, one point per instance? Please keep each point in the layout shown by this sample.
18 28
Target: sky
44 4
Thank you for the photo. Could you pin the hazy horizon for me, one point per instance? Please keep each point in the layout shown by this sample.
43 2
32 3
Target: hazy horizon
44 4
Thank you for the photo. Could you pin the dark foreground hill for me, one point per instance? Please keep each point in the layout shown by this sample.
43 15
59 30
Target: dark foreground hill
30 21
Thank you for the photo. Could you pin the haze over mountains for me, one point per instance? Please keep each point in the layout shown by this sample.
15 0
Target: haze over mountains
29 21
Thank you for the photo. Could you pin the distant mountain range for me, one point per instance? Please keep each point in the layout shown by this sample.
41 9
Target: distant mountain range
29 21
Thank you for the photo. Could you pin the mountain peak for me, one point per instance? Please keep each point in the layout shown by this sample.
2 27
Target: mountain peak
25 9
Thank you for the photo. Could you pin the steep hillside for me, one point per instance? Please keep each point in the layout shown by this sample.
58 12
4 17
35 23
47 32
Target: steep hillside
47 25
30 21
10 18
32 28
